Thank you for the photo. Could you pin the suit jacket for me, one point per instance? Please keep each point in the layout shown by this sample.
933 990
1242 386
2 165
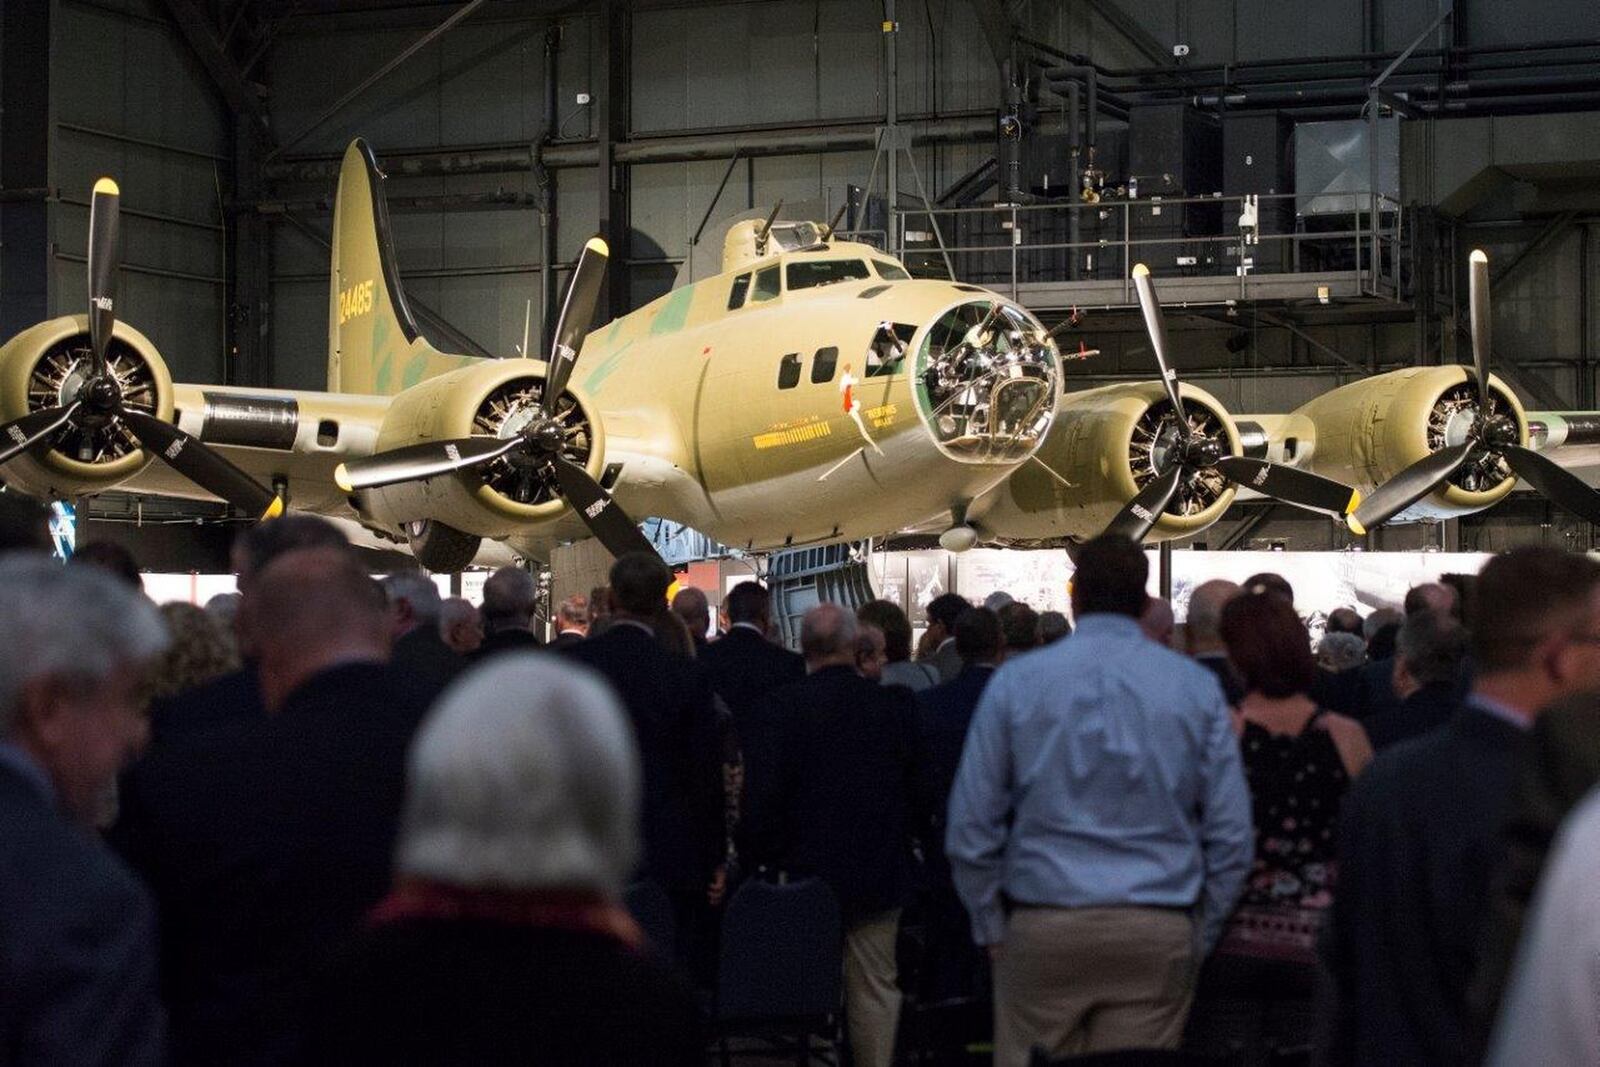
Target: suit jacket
943 715
947 661
1420 830
434 991
566 639
423 664
744 667
670 703
265 843
1220 665
1427 709
78 979
1561 766
515 639
838 799
233 697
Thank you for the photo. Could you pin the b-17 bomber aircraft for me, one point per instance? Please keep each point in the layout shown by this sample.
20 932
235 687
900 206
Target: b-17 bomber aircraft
810 392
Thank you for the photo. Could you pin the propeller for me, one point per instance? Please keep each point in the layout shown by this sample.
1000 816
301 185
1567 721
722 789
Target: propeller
1493 437
1193 452
538 445
97 405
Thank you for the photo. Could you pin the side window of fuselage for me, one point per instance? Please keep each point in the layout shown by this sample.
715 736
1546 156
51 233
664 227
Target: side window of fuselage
789 371
741 286
822 365
767 285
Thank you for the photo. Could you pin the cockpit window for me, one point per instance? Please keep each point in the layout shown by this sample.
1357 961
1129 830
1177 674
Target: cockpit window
808 274
741 286
766 285
889 272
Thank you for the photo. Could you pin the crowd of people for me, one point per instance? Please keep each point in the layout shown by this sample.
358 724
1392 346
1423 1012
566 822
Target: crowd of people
332 820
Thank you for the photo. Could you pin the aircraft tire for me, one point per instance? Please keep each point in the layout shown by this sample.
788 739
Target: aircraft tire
440 548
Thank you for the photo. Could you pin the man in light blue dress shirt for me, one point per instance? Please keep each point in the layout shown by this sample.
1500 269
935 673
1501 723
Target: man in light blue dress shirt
1099 827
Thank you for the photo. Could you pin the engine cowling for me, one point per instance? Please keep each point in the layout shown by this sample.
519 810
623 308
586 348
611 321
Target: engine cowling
41 367
491 398
1368 431
1103 447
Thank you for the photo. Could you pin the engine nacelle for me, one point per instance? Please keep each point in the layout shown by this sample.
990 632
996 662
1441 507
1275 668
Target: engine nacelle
491 398
1101 450
41 368
1368 431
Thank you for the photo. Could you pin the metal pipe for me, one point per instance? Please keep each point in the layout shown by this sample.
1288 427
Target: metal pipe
547 198
1011 146
891 119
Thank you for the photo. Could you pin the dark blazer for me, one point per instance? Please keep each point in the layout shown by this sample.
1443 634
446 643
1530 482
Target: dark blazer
1220 665
943 714
424 664
744 667
512 640
264 844
233 697
669 701
78 977
1427 709
838 798
430 991
1420 830
566 639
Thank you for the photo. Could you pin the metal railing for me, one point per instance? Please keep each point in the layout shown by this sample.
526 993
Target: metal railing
1007 246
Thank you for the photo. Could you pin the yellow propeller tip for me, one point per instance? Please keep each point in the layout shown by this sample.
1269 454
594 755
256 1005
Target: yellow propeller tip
1140 270
598 246
274 509
106 187
341 478
1479 256
1355 501
1355 527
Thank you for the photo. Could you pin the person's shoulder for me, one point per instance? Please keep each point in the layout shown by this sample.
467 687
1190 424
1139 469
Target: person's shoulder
61 870
1339 726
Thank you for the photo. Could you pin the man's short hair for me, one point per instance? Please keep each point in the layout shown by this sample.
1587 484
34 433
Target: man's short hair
980 634
946 608
1340 651
455 609
1430 596
1530 593
418 590
748 602
639 583
574 610
1270 582
314 595
1433 648
77 623
1344 621
827 630
1373 624
112 558
1019 626
508 598
1269 644
266 541
887 616
1053 626
525 776
691 605
1110 577
1205 609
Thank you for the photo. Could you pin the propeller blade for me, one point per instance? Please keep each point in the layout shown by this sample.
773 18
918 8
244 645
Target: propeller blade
413 463
1155 325
1140 514
1478 290
604 517
1407 487
202 465
26 432
1290 484
1555 482
104 212
577 315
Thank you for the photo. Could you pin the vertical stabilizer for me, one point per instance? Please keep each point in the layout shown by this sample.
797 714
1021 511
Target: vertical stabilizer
374 345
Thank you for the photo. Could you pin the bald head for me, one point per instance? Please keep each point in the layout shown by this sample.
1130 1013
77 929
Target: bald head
1202 629
311 609
828 637
690 605
1156 620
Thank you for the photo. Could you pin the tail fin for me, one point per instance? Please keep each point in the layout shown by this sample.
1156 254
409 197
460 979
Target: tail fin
374 345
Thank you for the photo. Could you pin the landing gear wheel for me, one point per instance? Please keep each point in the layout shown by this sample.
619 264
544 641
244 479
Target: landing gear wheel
440 548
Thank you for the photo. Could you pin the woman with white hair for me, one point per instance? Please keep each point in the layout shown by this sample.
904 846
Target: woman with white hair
503 940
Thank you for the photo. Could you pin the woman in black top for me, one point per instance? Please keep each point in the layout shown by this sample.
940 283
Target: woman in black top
1255 997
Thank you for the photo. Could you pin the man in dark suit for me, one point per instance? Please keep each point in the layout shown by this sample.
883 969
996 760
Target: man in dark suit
671 706
78 978
572 621
744 666
509 595
266 841
1420 827
690 605
943 611
237 695
1429 656
838 801
420 658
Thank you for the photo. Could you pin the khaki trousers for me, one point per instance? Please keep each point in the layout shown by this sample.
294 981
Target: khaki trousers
1077 980
871 992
